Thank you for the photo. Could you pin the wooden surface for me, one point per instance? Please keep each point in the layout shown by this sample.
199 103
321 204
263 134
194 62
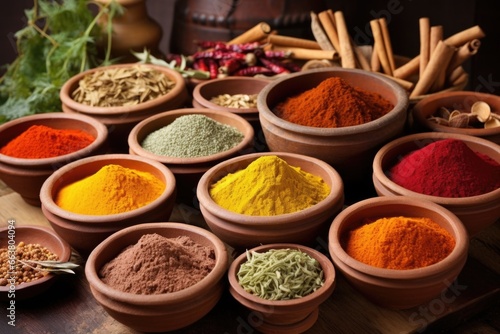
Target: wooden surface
472 305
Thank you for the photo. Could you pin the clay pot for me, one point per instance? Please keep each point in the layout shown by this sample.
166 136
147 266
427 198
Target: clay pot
244 231
350 149
392 288
84 232
32 234
475 212
26 176
284 316
462 100
160 312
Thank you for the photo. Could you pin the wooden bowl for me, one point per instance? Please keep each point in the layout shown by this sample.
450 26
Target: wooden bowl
245 231
26 176
392 288
32 234
475 212
157 312
284 316
85 232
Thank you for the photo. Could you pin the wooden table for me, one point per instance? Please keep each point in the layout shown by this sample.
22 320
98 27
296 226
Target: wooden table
69 307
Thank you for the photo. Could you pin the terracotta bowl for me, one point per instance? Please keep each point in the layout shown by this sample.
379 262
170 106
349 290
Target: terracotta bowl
204 92
475 212
26 176
84 232
392 288
160 312
245 231
284 316
349 150
462 100
120 120
188 171
32 234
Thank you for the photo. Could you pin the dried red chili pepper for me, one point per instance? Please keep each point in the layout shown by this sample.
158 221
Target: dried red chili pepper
276 68
253 70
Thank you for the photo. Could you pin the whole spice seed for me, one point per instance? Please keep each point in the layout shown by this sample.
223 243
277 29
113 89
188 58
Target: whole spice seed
280 274
479 115
122 86
236 100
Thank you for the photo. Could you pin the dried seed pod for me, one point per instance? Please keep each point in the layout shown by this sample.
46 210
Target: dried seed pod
493 122
439 120
454 113
482 110
459 121
443 112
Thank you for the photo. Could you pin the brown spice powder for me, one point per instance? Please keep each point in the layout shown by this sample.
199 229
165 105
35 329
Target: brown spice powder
157 264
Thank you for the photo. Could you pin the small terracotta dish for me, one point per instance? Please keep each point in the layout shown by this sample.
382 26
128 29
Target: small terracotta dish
393 288
462 101
157 312
84 232
26 176
32 234
284 316
245 231
475 212
204 92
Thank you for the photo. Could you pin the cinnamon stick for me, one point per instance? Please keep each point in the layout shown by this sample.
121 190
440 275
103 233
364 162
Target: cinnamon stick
320 34
374 60
256 33
436 35
387 42
327 20
307 54
463 53
348 59
380 46
424 30
293 42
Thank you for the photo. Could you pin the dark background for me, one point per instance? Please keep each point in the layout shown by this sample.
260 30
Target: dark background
402 16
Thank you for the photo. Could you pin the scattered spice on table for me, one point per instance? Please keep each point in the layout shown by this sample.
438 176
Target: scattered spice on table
280 274
333 103
269 186
111 190
447 168
192 136
399 242
24 271
40 141
157 264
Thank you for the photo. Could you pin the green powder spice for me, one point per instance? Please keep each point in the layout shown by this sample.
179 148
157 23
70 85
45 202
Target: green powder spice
192 136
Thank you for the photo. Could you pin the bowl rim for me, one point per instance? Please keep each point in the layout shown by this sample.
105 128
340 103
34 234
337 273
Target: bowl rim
337 252
381 176
326 264
66 99
100 139
42 230
205 200
137 149
196 290
49 204
417 112
399 108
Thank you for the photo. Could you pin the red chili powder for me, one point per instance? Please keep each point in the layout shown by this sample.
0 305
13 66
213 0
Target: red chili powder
447 168
40 141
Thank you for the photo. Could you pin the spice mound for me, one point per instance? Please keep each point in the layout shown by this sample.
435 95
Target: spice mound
399 242
333 103
156 264
111 190
269 186
192 136
40 141
122 86
280 274
23 271
447 168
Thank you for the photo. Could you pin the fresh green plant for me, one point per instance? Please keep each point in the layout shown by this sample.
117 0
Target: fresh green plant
59 41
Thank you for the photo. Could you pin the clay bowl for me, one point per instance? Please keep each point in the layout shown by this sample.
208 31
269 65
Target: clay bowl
32 234
462 100
84 232
120 120
160 312
245 231
188 171
26 176
475 212
205 91
349 150
284 316
392 288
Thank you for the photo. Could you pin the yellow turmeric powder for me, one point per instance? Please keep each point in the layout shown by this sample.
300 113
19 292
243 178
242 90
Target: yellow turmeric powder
113 189
269 186
399 243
